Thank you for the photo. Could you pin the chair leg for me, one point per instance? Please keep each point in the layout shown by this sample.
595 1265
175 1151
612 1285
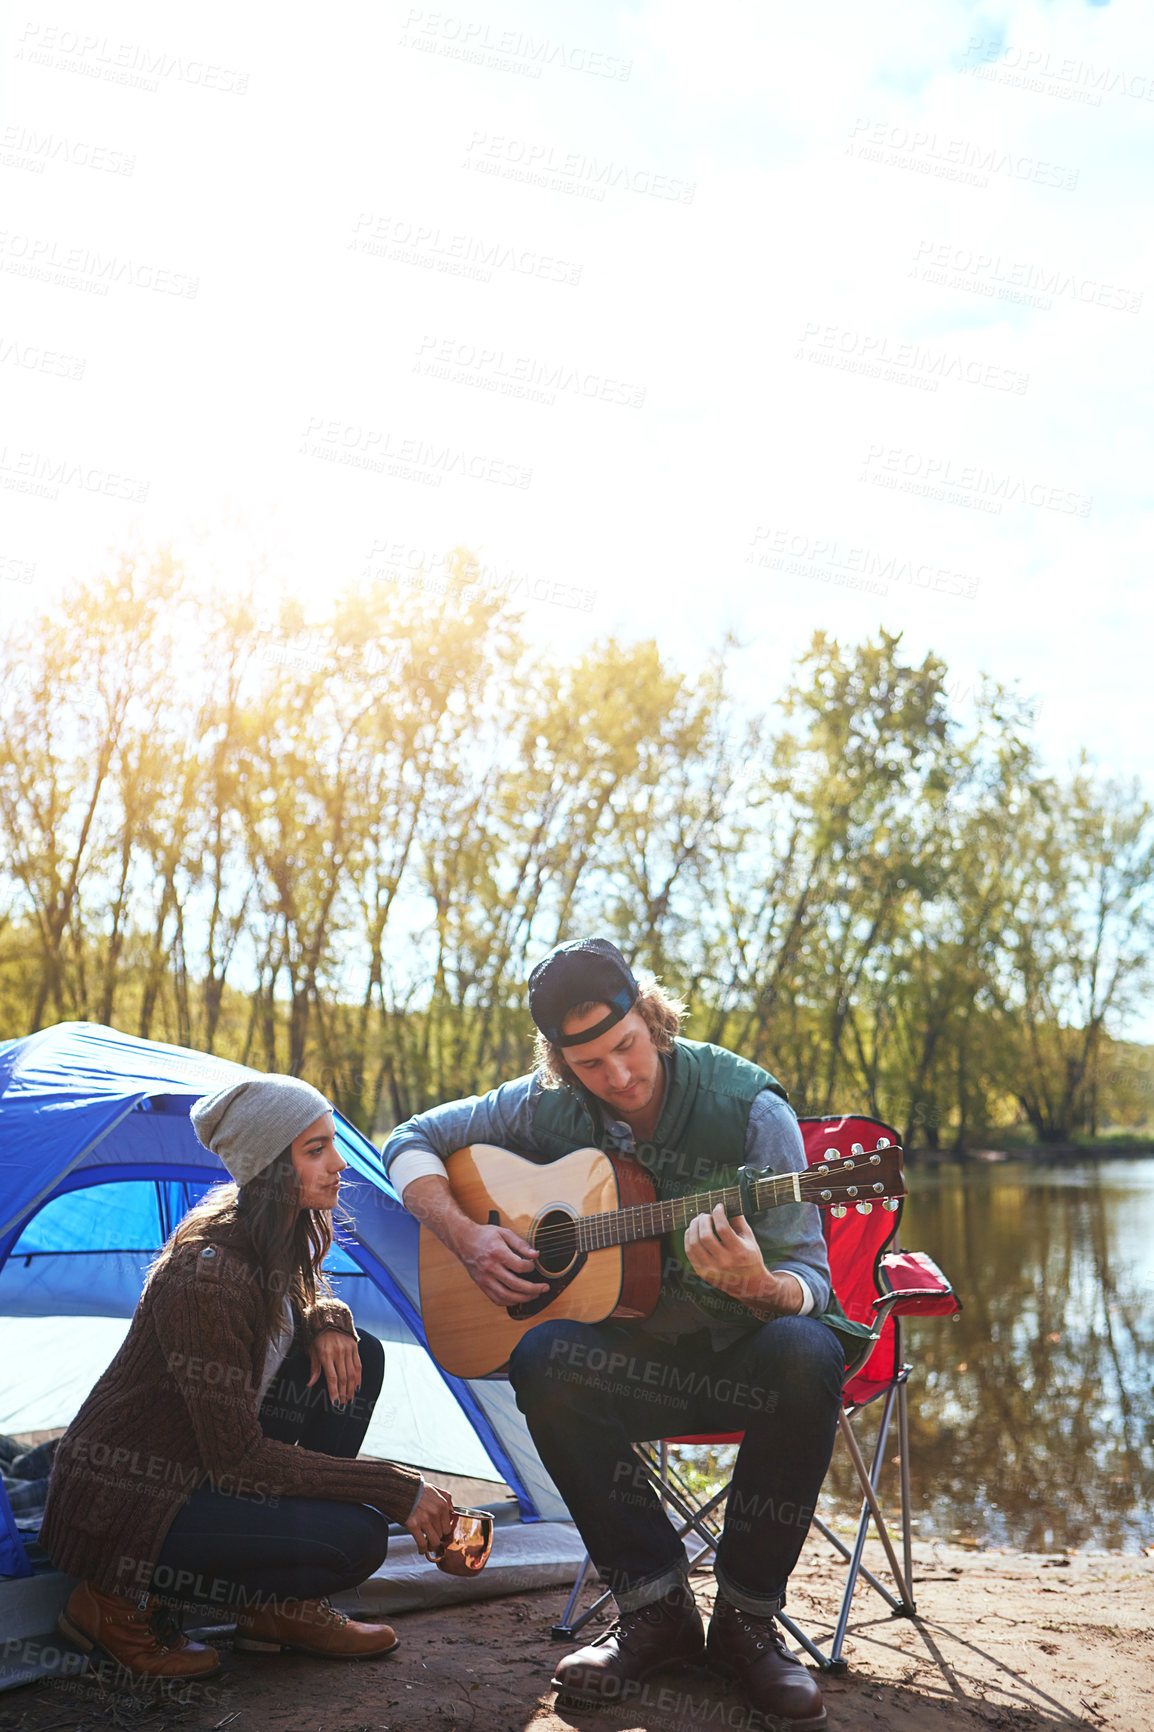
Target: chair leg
564 1629
870 1507
825 1661
904 1451
839 1544
665 1478
692 1521
868 1484
679 1499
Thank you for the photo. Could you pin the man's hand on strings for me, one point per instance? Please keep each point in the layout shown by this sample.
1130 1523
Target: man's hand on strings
725 1253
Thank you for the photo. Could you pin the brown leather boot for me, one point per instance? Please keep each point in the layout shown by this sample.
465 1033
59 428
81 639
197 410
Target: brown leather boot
312 1627
751 1651
146 1640
666 1632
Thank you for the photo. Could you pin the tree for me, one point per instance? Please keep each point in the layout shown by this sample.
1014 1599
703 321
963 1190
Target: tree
334 839
1079 946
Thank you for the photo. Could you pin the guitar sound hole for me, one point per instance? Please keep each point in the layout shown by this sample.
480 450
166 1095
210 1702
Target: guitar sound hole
555 1239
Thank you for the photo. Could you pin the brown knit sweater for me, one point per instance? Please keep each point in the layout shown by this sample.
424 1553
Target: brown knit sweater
177 1410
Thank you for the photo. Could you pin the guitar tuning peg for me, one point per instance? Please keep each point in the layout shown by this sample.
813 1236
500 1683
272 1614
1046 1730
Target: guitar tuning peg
839 1211
856 1149
891 1205
883 1142
864 1208
831 1155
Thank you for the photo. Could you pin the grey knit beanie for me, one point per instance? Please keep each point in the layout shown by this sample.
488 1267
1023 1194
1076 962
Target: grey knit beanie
249 1124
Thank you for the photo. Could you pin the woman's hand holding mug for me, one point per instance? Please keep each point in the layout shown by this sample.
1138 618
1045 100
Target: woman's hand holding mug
431 1522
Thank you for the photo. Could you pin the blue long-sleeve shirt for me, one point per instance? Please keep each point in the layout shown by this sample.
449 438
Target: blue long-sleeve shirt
790 1237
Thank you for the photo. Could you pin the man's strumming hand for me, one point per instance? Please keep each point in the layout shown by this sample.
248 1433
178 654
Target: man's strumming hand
496 1258
499 1261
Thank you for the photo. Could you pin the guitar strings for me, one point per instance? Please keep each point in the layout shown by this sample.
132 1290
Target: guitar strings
589 1227
580 1227
634 1214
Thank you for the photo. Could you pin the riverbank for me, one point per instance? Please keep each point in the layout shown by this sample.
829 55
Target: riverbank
1006 1640
1034 1154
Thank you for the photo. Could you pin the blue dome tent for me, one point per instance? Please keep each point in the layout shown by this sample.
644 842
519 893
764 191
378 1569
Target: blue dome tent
98 1161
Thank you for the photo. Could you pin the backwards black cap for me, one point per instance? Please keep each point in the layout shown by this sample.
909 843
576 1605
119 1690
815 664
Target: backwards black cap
584 971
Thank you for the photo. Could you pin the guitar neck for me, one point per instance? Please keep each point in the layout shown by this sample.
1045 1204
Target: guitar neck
652 1220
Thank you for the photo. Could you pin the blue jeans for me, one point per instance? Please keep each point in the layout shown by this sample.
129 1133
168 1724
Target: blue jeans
589 1390
226 1552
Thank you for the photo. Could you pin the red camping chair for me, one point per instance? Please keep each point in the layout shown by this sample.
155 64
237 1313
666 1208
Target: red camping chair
877 1284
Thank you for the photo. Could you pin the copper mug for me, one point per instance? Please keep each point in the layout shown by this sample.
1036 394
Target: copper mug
468 1546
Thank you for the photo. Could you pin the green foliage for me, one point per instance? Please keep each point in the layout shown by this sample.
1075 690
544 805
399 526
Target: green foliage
333 841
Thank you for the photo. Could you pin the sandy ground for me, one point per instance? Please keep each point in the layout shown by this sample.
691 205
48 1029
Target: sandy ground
1000 1639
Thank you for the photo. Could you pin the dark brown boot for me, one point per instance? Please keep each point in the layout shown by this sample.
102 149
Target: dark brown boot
751 1651
145 1639
666 1632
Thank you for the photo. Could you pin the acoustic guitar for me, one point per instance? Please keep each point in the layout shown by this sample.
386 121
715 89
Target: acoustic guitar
595 1223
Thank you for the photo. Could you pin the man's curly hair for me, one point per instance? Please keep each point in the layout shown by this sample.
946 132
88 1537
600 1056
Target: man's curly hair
661 1012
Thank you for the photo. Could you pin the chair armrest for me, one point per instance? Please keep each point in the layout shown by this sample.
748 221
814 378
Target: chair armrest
914 1287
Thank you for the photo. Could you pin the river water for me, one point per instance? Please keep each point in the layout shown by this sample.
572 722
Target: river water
1031 1414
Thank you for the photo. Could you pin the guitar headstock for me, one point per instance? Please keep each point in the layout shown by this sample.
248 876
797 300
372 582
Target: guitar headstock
860 1179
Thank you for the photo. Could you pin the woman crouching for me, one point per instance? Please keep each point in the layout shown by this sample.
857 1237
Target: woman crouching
214 1462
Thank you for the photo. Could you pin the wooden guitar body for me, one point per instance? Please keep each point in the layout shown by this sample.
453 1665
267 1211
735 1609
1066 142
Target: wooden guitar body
469 1335
596 1225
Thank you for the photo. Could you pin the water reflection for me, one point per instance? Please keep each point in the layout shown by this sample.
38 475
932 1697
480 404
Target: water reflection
1030 1416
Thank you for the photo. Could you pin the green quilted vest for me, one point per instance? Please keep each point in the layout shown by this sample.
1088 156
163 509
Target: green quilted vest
698 1145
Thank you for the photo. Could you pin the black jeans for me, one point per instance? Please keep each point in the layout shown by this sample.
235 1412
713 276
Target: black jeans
230 1551
589 1390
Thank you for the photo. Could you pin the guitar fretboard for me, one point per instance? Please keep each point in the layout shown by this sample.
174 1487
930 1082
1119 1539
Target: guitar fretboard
651 1220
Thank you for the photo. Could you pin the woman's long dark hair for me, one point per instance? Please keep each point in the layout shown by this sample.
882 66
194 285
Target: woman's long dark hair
290 1243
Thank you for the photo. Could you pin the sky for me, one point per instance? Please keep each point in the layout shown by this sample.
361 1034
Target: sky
688 322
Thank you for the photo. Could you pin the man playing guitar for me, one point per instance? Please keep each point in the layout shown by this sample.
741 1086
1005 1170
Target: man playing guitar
742 1338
